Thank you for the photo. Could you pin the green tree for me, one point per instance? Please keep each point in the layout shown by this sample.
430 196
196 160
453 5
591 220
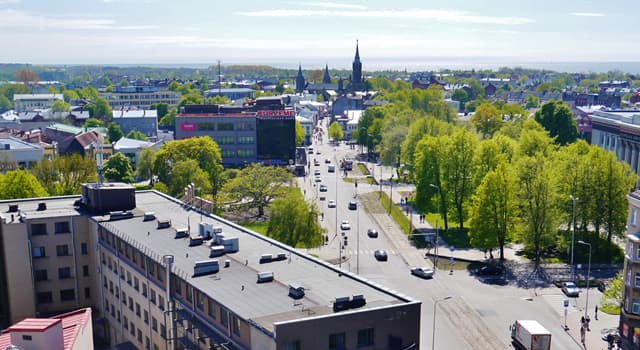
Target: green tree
64 175
5 104
556 117
335 131
299 133
173 86
70 95
161 109
293 221
9 90
93 123
103 110
185 172
123 82
60 106
487 119
118 168
169 119
136 135
543 88
258 185
477 91
418 128
532 101
460 95
430 155
492 152
494 209
458 172
144 165
20 183
218 100
114 133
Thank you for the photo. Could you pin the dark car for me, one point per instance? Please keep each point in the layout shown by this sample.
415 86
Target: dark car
381 255
602 285
323 188
489 270
353 205
372 232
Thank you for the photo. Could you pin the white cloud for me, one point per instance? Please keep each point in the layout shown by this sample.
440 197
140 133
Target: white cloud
439 15
3 2
15 19
587 14
333 5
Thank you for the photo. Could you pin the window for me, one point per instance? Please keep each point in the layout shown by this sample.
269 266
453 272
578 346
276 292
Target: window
137 309
292 345
62 250
638 251
125 322
178 286
224 317
61 227
139 336
154 324
636 306
144 290
212 309
113 311
228 153
67 295
146 316
111 287
87 292
225 126
136 283
118 316
151 267
146 343
25 337
122 273
85 270
84 250
189 294
117 292
236 326
133 329
44 297
161 302
200 300
38 252
40 275
337 341
130 304
105 281
365 337
637 285
38 229
163 331
64 273
152 296
124 298
128 278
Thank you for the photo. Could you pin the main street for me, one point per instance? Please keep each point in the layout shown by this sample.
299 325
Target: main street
477 314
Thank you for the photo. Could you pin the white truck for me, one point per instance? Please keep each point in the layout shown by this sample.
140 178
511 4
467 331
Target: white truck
530 335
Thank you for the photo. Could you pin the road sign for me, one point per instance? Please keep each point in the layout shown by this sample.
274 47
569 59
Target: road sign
452 248
566 303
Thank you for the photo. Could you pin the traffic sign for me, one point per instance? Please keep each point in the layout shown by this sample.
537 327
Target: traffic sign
566 303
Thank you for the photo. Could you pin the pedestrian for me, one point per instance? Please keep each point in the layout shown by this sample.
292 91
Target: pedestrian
596 313
582 320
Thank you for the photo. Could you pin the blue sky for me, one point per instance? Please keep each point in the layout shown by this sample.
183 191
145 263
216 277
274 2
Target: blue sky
315 32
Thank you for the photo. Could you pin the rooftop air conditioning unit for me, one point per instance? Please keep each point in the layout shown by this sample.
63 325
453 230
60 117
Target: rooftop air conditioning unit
264 277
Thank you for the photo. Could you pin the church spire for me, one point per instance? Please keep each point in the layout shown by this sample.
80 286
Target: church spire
327 78
356 76
300 83
357 58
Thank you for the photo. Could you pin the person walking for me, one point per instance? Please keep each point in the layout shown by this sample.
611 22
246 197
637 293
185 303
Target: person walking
596 313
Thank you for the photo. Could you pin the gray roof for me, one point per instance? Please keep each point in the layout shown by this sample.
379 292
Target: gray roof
15 143
17 97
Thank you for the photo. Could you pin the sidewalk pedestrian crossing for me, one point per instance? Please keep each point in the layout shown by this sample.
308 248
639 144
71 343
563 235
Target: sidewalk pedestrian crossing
366 252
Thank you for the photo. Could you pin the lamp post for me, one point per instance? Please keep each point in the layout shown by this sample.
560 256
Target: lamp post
435 263
586 307
433 331
358 237
390 193
573 234
336 210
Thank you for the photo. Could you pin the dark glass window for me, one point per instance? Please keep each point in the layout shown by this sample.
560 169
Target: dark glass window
365 337
62 250
44 297
40 275
64 273
67 295
38 229
61 227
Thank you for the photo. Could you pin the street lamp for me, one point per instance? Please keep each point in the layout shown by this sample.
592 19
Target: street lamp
390 192
573 234
358 237
435 263
433 331
586 307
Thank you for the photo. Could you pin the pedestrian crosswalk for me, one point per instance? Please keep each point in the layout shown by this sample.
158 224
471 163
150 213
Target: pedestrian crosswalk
366 252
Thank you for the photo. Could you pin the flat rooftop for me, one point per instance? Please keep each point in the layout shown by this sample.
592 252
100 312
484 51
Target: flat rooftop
235 287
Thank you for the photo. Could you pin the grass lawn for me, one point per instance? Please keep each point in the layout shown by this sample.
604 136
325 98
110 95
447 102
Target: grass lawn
260 227
396 213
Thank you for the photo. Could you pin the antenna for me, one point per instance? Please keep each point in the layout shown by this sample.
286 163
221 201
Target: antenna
219 80
99 160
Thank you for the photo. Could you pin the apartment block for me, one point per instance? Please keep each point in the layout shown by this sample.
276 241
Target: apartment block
162 275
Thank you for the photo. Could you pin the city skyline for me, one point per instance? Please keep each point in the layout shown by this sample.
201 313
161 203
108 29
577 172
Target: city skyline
167 32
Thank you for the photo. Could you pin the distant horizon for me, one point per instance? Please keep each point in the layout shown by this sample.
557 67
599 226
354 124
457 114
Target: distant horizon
378 64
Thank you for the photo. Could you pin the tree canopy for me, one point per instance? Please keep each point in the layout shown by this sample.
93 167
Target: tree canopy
118 168
335 131
20 183
556 117
65 174
293 221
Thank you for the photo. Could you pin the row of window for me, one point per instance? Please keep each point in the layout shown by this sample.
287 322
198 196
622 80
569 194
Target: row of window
61 250
65 295
41 275
58 228
241 153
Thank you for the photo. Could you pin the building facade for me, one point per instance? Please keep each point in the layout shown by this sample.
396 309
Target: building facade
161 275
629 328
31 102
140 97
144 121
618 131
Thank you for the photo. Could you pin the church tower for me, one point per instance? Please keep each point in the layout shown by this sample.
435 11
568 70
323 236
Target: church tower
327 78
300 81
356 75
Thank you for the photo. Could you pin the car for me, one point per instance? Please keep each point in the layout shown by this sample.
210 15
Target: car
489 270
327 161
331 168
318 152
316 163
353 205
380 255
372 232
316 172
345 225
602 285
570 289
331 203
423 272
322 197
323 188
317 178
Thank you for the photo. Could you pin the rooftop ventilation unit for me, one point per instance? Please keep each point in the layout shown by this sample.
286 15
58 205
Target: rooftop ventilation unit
195 240
281 256
182 233
296 291
341 304
216 250
266 258
164 224
42 206
205 267
149 216
357 300
120 215
13 208
264 277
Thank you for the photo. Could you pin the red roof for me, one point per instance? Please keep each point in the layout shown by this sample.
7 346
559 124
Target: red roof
33 325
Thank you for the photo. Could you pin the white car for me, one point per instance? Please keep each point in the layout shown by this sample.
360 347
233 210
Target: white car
331 203
570 289
345 225
423 272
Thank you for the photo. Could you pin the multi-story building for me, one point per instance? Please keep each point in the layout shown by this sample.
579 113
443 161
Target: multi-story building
618 131
140 97
629 328
161 275
144 121
245 135
21 152
31 102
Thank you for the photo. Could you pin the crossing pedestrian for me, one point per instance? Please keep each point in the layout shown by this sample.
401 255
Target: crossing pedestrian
596 313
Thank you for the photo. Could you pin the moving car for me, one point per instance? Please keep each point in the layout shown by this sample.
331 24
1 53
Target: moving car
345 225
602 285
380 255
327 161
318 179
423 272
331 168
316 172
323 188
331 204
353 205
570 289
372 232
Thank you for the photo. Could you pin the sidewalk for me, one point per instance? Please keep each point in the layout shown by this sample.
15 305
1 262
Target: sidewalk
598 328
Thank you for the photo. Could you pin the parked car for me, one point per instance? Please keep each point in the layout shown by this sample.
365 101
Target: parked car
570 289
323 188
345 225
318 179
327 161
380 255
489 270
316 162
353 205
316 172
331 204
602 285
372 232
423 272
331 168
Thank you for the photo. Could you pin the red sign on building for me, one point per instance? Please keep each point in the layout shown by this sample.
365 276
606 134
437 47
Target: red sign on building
277 113
189 126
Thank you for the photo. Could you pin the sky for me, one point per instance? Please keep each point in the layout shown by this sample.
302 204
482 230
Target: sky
313 33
